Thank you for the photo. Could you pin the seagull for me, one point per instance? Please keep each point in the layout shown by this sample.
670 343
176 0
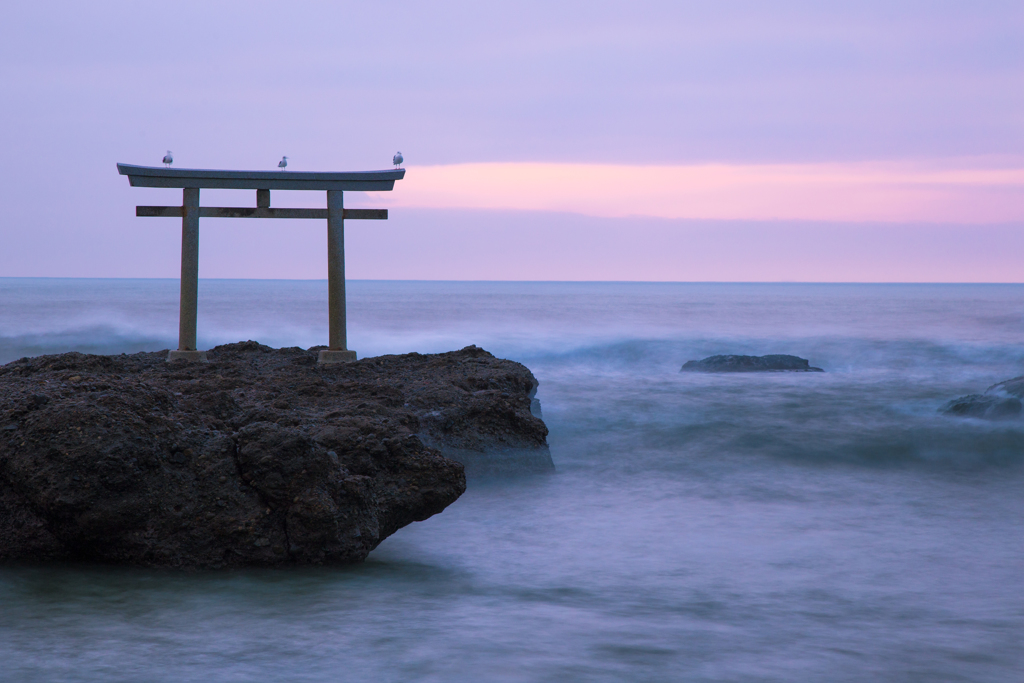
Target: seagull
168 159
397 161
283 164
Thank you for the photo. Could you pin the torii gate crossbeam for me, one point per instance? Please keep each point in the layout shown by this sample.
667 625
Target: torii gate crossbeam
192 180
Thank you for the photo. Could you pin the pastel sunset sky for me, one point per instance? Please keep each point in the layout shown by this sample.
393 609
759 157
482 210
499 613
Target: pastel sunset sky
684 141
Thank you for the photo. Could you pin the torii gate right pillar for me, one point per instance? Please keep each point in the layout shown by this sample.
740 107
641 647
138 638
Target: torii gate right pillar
338 351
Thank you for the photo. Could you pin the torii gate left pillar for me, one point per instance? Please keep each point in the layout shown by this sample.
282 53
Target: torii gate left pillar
191 180
188 307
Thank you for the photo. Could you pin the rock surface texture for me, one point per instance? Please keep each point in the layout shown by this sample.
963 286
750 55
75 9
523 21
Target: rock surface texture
259 457
999 402
772 363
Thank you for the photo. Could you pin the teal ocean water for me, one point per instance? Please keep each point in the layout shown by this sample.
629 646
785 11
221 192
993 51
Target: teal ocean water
781 527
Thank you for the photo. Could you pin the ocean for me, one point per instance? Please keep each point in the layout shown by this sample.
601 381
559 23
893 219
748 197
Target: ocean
762 527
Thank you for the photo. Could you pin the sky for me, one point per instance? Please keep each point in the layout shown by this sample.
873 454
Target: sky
681 141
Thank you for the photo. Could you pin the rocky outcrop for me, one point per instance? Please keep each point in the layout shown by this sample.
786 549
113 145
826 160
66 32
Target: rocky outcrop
771 363
1000 401
259 457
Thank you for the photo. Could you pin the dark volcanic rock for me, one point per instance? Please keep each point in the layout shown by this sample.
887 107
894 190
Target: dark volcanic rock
772 363
259 457
1011 387
1000 401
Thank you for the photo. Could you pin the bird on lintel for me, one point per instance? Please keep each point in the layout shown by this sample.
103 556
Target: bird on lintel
168 159
397 161
283 164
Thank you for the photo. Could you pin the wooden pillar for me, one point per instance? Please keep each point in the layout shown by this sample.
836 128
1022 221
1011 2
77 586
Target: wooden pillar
338 339
336 269
189 269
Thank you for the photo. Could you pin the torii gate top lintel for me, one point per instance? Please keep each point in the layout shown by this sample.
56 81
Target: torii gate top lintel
155 176
191 180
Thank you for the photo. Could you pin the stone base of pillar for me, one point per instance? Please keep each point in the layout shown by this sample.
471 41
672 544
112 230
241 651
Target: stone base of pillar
328 356
190 356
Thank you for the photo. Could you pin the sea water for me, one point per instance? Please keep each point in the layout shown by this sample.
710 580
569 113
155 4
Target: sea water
760 527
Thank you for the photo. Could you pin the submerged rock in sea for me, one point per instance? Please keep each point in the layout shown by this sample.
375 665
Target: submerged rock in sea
771 363
1000 401
258 457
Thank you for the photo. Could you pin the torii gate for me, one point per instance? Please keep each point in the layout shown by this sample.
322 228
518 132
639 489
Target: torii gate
191 180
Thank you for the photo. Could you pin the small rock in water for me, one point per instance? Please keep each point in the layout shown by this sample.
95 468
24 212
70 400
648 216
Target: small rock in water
1000 401
770 363
985 407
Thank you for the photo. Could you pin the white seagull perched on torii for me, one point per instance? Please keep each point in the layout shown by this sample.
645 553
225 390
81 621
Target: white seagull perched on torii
397 161
168 159
283 164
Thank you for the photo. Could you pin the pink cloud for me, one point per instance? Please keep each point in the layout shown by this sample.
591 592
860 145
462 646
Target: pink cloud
947 192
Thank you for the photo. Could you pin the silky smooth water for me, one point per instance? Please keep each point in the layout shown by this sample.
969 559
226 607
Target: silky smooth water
762 527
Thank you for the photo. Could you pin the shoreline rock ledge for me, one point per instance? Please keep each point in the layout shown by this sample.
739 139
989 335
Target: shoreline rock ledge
258 457
770 363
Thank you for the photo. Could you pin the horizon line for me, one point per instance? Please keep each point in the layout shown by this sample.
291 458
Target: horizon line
638 282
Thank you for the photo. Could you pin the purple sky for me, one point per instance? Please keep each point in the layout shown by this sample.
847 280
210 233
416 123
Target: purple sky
756 87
